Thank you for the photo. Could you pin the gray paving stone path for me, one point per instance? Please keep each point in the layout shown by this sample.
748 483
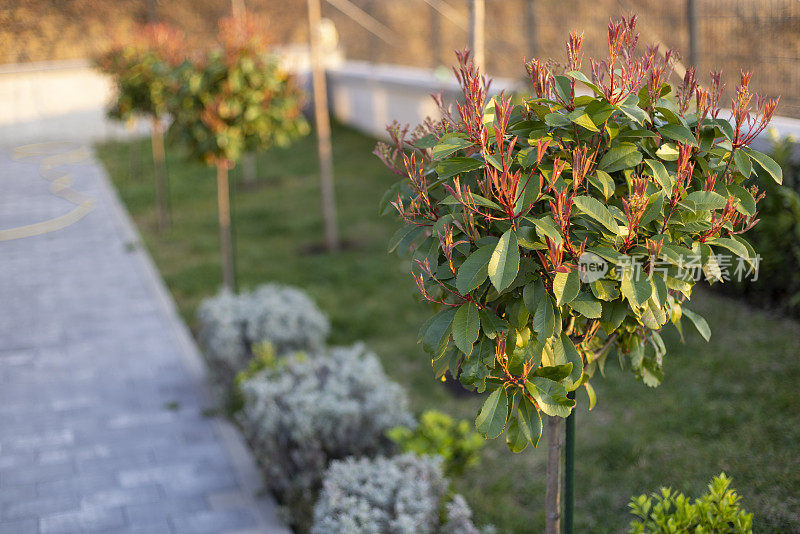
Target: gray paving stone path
102 390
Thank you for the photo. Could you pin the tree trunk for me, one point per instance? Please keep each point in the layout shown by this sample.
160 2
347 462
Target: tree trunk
323 125
553 477
224 209
160 173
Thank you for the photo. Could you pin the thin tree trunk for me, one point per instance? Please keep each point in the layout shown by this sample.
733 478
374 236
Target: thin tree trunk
553 477
160 173
323 125
224 210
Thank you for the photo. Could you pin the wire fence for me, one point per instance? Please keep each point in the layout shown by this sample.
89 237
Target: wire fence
762 36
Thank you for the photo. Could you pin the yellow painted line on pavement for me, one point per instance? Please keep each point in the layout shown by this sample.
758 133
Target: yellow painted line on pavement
55 155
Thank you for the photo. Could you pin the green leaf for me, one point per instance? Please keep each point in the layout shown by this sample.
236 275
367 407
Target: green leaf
493 415
587 305
556 120
437 330
402 233
661 175
530 422
556 373
667 152
597 211
492 324
566 349
581 77
592 395
699 323
706 200
474 270
637 291
451 167
504 263
515 438
613 315
550 396
636 113
743 163
653 209
448 144
427 141
546 227
678 132
767 163
466 327
620 157
728 243
582 119
603 182
479 200
746 204
532 294
566 287
544 318
607 290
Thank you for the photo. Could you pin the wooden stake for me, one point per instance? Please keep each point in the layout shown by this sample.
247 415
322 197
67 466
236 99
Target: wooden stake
476 27
323 125
160 174
552 498
224 210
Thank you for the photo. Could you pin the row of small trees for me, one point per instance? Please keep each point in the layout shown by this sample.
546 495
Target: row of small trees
226 100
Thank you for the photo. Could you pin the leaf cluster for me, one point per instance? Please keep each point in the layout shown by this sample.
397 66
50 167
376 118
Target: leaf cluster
230 101
669 512
502 202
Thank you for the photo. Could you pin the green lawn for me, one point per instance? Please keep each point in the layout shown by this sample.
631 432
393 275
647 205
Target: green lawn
730 405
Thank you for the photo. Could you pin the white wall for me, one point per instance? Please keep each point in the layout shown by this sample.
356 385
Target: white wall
65 100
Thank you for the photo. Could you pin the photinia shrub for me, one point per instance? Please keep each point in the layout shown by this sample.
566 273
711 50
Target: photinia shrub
235 97
551 232
232 99
142 71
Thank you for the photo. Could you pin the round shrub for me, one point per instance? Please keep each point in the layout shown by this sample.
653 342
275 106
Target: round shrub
399 495
232 325
308 411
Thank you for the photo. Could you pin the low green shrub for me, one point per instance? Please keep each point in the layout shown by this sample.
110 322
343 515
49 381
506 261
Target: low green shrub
667 512
438 434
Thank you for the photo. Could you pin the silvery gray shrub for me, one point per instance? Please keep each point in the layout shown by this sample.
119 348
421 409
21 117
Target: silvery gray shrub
302 414
399 495
232 324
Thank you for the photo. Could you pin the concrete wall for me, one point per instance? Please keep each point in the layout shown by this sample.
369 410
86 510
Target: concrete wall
369 96
55 101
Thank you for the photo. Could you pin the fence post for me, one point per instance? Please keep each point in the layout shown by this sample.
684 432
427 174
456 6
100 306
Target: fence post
476 27
530 28
322 120
694 38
